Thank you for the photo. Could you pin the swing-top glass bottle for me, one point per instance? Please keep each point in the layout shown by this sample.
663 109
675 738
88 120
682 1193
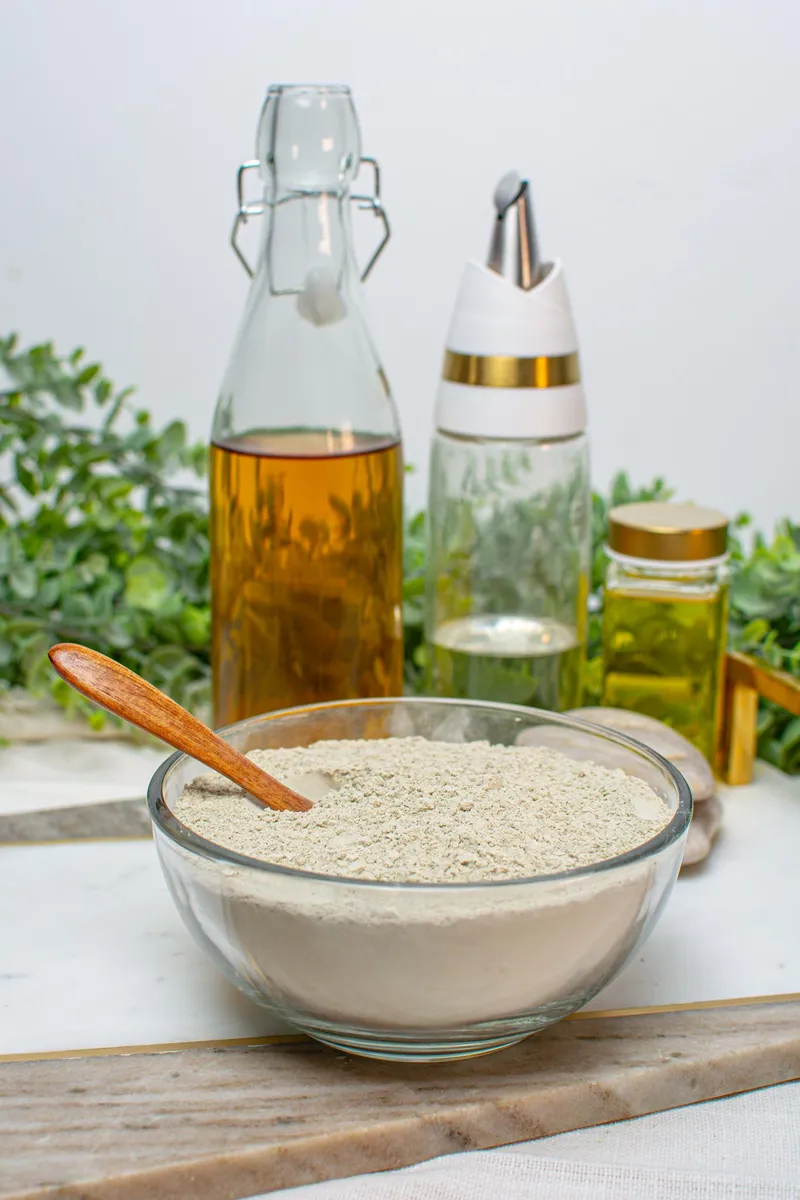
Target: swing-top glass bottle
306 464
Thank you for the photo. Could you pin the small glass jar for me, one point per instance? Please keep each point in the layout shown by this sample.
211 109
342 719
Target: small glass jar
665 616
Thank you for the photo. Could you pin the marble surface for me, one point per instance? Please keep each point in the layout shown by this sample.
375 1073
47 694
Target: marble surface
730 927
61 774
93 958
218 1125
93 924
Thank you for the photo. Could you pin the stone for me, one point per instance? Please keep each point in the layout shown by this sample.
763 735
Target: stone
704 827
659 737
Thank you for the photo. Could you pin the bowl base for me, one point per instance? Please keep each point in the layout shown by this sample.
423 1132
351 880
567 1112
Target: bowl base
389 1049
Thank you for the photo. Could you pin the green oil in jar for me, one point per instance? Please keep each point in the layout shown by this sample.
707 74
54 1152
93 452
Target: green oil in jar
665 616
662 656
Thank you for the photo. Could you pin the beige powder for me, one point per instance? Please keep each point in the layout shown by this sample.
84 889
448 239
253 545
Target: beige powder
343 953
408 809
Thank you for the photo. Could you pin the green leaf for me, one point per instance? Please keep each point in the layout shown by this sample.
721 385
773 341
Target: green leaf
68 394
48 594
196 625
102 391
25 477
77 606
116 407
147 585
23 580
119 634
87 375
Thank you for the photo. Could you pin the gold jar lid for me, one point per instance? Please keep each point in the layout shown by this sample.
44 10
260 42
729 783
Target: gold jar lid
668 532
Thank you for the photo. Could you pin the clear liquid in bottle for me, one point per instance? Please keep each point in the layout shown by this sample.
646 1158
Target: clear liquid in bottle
510 659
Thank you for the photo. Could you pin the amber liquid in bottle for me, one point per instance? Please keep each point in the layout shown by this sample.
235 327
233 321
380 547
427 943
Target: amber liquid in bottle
306 564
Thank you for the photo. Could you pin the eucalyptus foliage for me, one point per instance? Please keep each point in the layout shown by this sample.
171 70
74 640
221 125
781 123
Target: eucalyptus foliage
99 543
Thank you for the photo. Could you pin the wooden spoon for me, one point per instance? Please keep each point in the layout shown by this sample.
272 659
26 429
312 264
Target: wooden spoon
126 694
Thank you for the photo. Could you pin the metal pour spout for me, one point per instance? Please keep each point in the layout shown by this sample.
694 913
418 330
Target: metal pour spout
514 251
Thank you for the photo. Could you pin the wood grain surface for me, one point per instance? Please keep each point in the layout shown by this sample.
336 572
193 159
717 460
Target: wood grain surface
220 1124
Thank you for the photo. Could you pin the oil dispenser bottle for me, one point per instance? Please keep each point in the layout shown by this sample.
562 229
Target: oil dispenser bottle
509 512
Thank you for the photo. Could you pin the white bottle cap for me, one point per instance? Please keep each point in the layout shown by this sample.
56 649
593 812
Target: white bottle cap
511 368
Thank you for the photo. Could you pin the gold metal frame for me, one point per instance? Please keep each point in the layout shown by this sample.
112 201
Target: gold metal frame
746 681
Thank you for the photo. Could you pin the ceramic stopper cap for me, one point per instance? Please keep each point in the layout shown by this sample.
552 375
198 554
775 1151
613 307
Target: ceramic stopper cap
511 367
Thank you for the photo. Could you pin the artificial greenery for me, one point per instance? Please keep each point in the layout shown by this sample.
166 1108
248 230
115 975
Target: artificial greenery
104 541
99 543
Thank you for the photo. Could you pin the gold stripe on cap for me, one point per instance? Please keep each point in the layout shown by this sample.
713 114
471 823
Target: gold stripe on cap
507 371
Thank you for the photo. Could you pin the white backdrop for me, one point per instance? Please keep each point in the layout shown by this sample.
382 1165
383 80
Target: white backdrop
661 139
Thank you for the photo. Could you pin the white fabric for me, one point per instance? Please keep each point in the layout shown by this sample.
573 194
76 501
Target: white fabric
497 1176
756 1134
741 1148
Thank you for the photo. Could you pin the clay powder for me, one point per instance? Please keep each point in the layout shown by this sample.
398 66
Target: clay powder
412 810
334 952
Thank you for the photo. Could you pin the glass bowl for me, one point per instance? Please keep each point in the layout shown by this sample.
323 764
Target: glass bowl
410 970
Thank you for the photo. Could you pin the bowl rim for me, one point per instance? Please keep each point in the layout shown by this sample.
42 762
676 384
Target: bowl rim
165 821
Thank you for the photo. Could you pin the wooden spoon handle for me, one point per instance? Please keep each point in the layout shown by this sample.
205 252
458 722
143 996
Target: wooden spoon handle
126 694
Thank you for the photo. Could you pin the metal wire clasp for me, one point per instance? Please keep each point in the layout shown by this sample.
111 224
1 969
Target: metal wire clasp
255 208
374 204
244 209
